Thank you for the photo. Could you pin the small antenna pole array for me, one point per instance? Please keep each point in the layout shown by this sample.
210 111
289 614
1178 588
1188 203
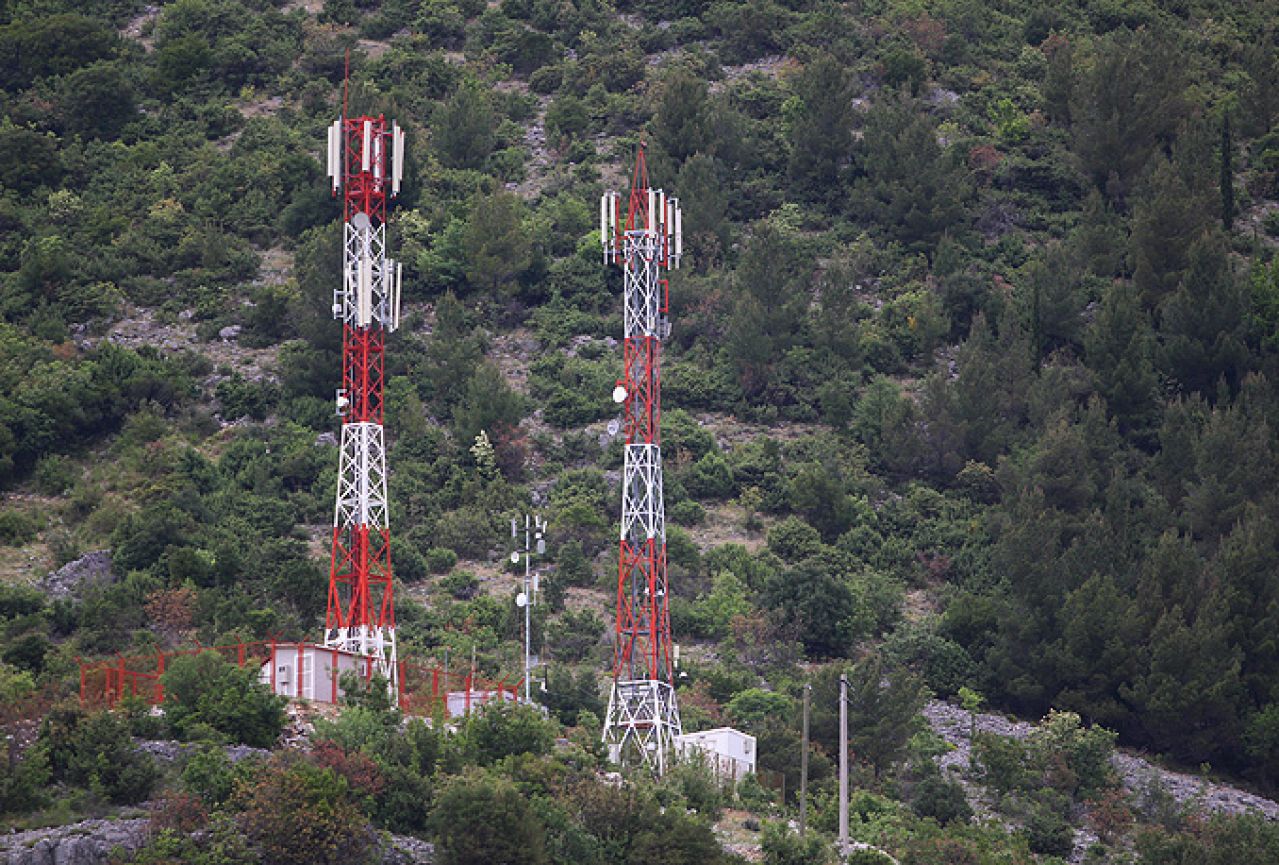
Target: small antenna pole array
644 237
365 165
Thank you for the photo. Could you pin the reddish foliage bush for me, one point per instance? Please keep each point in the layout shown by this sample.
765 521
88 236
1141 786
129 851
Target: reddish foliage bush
181 812
359 770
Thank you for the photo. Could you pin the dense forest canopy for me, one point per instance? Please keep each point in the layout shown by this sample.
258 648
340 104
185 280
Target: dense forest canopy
973 374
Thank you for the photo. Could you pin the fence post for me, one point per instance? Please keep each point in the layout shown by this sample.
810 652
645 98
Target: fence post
159 685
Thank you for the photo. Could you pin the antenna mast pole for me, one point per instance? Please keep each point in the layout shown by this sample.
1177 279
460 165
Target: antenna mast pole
643 716
365 163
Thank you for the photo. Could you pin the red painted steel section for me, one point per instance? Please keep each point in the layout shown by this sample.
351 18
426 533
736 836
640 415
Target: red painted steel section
360 575
643 626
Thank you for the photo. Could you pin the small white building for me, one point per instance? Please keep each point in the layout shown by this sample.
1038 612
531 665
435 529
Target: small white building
731 753
306 671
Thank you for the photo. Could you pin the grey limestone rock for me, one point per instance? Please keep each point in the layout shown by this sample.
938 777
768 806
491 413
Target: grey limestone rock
91 569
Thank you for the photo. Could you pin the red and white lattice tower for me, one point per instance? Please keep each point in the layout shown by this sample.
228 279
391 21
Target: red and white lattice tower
643 717
366 160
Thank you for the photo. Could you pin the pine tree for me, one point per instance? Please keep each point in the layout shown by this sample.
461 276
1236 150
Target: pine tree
1202 327
1126 100
704 198
463 128
1190 701
496 242
1052 298
1119 347
821 133
1227 175
1099 241
910 186
680 126
1169 217
768 307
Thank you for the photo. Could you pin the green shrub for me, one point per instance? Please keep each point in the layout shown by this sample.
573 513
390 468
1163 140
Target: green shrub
503 729
688 513
478 818
462 585
97 751
781 846
941 799
296 813
204 689
1048 833
440 560
17 528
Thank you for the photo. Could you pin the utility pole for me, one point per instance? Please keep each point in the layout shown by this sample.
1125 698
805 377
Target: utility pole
803 768
843 766
534 527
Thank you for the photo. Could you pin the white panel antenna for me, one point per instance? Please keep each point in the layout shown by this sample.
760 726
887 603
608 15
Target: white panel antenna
364 305
397 158
367 151
399 281
335 153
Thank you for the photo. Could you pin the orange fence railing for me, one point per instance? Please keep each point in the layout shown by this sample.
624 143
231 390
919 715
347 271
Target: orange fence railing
424 689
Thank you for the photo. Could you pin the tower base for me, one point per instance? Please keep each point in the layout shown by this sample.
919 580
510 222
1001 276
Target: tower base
642 724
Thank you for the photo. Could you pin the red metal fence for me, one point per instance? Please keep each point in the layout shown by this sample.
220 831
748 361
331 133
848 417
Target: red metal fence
423 689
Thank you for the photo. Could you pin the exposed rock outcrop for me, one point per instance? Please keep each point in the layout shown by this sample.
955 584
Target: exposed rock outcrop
91 569
86 843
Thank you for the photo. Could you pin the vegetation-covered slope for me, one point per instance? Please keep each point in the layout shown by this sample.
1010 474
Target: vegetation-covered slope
973 369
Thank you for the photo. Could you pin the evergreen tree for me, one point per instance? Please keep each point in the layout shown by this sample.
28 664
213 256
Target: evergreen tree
1119 346
821 129
681 125
994 376
883 711
1126 100
1098 652
1099 242
452 353
1227 175
909 185
463 128
496 242
1053 299
1167 220
1202 327
1190 700
767 309
704 198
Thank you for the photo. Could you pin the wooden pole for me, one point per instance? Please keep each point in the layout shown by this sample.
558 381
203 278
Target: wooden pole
803 768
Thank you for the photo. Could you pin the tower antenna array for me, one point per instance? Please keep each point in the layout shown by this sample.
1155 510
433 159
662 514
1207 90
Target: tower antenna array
365 163
643 716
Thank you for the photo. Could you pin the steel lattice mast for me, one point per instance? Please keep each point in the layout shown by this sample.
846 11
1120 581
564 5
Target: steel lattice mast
365 160
643 717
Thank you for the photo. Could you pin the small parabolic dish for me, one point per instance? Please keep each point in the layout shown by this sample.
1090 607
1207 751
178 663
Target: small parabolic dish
613 427
521 600
515 558
360 222
619 394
